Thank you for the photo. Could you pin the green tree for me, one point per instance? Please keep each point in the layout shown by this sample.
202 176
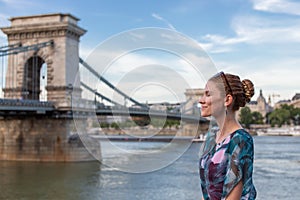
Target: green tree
104 125
171 122
285 114
246 117
296 116
280 116
257 118
158 123
115 125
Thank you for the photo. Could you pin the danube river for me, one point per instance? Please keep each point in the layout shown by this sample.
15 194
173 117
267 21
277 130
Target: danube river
276 176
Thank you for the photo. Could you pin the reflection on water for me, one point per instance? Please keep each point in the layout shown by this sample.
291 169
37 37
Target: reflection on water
30 180
141 157
276 176
277 167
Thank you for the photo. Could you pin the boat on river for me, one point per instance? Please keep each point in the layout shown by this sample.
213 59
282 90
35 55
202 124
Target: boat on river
281 131
200 138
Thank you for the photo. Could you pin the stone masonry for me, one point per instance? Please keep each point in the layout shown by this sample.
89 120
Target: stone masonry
43 137
62 58
192 97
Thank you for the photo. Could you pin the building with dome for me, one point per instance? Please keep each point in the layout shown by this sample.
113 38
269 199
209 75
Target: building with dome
260 105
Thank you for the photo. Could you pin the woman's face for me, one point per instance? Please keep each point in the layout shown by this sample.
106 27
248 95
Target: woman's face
212 102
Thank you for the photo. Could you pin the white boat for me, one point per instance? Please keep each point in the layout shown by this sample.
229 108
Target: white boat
201 138
282 131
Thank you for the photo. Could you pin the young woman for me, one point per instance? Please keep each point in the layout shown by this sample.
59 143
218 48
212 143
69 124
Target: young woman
226 163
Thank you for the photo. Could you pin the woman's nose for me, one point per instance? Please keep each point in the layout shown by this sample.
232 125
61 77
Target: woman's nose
201 100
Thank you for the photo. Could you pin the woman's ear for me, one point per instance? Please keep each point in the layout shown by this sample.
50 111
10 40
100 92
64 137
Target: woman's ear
228 100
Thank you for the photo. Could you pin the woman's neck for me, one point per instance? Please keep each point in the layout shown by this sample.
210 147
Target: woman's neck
227 124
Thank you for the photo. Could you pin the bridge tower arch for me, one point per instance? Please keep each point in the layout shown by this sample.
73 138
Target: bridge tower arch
31 87
61 58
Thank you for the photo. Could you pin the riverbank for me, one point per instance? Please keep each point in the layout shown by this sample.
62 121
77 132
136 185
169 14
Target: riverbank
159 138
280 131
134 131
147 135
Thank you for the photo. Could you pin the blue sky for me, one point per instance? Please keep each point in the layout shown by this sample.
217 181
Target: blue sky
256 39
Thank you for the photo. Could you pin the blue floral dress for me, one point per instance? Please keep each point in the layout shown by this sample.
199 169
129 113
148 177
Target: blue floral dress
223 165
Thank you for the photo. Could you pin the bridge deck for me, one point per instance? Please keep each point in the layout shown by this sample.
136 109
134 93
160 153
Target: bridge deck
144 139
10 107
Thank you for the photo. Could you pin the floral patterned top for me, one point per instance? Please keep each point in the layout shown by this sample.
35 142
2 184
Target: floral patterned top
223 165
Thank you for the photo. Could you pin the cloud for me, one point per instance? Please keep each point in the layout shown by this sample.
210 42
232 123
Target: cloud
16 4
147 75
280 81
253 30
158 17
277 6
272 76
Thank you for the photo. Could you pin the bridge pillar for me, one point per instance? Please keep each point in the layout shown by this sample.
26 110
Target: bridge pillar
191 108
41 138
61 59
49 136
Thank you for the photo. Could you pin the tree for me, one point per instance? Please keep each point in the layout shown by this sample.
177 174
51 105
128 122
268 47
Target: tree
169 123
280 116
257 118
285 114
104 125
246 116
157 122
115 125
296 116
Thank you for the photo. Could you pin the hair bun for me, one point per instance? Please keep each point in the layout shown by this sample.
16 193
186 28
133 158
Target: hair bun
248 89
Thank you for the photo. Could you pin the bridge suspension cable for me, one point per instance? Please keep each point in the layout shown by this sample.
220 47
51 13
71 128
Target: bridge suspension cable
98 94
7 47
18 48
88 67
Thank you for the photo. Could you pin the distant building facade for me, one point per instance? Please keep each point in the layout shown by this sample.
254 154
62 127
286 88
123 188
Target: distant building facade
164 106
260 105
295 101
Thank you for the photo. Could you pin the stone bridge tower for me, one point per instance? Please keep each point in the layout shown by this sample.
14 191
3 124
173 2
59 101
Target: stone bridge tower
49 136
192 97
61 58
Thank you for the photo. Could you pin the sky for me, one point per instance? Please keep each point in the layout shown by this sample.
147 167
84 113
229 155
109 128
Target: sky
256 39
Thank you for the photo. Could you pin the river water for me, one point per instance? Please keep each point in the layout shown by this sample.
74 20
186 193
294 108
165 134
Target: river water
276 176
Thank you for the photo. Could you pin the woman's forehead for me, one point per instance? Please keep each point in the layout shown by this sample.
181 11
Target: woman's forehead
210 85
213 86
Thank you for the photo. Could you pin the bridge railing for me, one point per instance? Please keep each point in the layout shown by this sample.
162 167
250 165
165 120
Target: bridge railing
29 103
8 106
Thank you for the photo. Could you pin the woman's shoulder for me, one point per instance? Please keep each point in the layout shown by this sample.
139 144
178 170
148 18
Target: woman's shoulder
242 135
242 142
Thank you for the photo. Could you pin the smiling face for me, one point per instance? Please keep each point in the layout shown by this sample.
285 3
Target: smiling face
212 102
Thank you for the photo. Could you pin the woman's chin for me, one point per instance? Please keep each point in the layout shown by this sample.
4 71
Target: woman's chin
204 115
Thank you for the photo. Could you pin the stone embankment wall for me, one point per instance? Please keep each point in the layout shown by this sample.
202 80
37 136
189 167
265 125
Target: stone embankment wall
33 138
188 129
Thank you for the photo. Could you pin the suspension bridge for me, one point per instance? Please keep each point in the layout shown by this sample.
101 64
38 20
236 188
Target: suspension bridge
39 97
